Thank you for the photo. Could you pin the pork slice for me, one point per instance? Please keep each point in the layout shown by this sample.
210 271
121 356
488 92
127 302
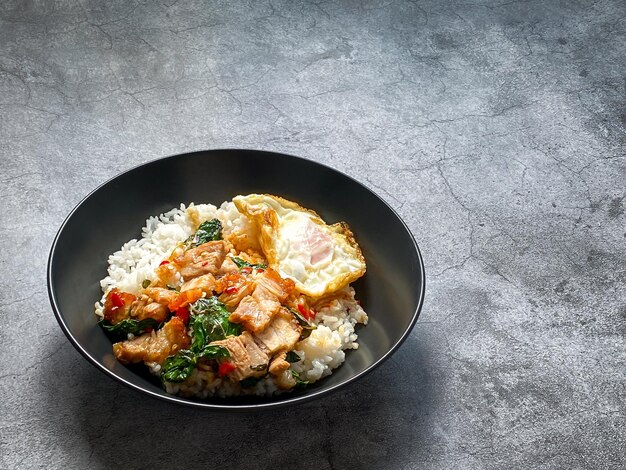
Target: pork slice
161 295
154 347
233 288
167 275
259 360
282 333
206 283
144 307
228 267
203 259
117 306
271 282
249 360
279 364
255 315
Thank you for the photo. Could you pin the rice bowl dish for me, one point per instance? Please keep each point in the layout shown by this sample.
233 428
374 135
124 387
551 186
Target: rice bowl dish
251 298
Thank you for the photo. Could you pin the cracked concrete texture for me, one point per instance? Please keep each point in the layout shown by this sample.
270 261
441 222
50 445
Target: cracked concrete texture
495 129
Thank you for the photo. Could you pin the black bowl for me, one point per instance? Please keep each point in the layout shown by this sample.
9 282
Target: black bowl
391 292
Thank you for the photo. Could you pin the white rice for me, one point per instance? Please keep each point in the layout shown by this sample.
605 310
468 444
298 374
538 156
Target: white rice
137 260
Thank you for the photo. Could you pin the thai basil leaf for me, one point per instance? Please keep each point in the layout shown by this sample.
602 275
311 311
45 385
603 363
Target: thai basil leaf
292 357
300 382
209 230
128 326
306 326
211 319
213 352
196 323
179 367
209 305
242 263
304 323
306 332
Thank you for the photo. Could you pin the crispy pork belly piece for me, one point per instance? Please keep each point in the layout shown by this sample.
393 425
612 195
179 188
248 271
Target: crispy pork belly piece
256 311
161 295
270 281
228 267
247 357
154 347
206 283
117 306
282 334
233 288
203 259
255 315
279 364
167 275
144 307
259 360
285 380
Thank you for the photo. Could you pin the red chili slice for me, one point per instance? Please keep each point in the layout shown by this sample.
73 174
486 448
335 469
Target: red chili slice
183 314
116 299
308 314
225 369
164 262
246 270
231 290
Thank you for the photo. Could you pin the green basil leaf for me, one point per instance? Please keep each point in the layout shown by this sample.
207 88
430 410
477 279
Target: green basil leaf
209 230
213 352
128 325
301 320
241 263
306 326
179 367
300 382
292 357
212 320
196 323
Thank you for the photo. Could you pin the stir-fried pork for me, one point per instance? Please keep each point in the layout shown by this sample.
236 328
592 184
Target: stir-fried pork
282 334
270 281
154 347
228 266
234 287
117 306
249 360
206 283
203 259
253 314
144 307
160 295
279 364
167 275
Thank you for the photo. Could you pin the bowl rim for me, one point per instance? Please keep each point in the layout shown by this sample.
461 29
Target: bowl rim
216 406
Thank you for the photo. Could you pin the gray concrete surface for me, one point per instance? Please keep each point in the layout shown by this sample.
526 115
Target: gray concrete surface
495 128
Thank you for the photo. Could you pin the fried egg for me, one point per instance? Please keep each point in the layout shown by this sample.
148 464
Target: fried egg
297 243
